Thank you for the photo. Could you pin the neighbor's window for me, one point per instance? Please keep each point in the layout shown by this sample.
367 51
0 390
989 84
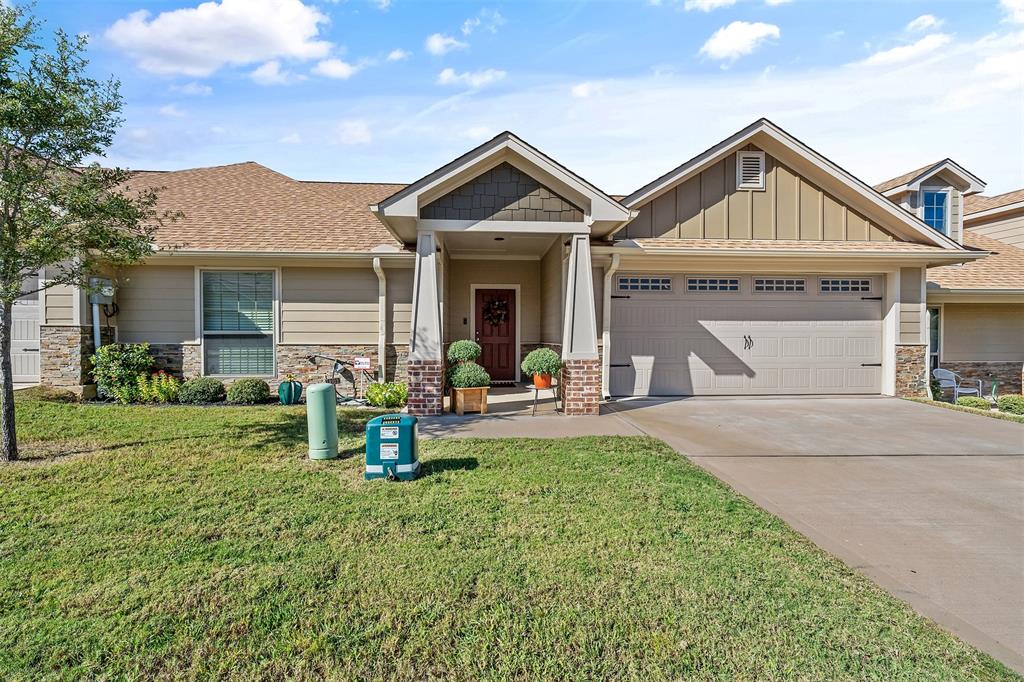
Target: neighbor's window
936 210
934 318
238 322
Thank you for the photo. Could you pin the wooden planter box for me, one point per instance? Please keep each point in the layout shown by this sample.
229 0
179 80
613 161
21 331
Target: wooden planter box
469 400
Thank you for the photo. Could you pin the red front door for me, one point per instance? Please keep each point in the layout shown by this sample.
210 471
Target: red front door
495 311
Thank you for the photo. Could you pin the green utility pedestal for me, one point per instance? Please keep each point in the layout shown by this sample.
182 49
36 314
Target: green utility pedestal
322 421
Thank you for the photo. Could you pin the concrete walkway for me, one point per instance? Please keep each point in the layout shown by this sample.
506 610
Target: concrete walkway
927 502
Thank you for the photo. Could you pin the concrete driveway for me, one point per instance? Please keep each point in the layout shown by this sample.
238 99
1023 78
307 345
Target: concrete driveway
927 502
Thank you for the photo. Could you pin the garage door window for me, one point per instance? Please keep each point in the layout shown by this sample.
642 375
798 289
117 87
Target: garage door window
845 286
712 284
645 284
769 285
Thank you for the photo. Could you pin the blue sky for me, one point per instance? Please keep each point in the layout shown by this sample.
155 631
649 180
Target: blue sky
620 91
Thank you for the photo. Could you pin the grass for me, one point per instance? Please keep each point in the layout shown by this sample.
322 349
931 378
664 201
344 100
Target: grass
994 414
172 542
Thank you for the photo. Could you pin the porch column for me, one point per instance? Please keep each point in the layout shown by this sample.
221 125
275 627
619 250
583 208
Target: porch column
425 362
581 378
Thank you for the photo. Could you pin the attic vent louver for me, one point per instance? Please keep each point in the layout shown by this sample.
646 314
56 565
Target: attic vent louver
750 170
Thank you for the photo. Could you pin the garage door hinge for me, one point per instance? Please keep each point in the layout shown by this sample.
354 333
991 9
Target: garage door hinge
870 364
871 298
619 296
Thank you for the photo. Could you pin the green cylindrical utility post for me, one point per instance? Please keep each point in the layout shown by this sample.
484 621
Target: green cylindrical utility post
322 421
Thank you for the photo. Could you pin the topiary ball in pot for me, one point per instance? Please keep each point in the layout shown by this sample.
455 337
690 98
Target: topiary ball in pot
542 364
468 375
249 392
201 391
464 351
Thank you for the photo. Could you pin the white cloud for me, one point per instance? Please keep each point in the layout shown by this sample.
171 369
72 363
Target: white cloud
776 3
438 44
171 111
488 19
193 88
291 138
270 74
924 22
1014 10
335 68
352 132
738 39
473 79
906 53
382 4
478 133
707 5
198 41
586 89
398 55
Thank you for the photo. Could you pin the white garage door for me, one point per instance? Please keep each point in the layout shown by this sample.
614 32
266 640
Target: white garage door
740 335
25 337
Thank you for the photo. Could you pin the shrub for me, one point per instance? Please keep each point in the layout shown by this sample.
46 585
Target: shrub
117 368
1013 404
542 361
159 388
249 392
391 394
936 389
468 375
464 351
974 401
200 391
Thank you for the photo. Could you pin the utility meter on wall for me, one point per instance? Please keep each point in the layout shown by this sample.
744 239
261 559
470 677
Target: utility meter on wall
102 291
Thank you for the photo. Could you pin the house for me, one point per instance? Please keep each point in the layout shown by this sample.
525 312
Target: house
975 310
757 267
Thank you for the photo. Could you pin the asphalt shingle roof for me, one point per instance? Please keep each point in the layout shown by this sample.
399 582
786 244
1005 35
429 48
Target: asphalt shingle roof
977 202
1003 269
903 179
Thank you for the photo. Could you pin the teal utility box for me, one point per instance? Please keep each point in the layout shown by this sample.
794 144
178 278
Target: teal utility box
322 421
391 447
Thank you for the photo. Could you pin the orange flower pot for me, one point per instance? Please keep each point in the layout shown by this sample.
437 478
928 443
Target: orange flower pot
542 380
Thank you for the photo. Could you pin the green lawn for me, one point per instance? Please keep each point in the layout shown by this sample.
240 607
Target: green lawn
199 542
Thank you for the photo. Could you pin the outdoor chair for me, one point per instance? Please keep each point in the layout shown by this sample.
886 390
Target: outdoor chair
952 380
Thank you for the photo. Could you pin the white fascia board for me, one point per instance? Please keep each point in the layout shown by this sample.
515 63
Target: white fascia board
973 182
513 226
763 126
943 258
279 255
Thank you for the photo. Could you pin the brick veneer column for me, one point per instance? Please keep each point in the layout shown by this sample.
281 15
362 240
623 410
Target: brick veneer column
912 371
425 387
581 386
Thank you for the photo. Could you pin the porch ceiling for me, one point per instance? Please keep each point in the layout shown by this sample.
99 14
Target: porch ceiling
490 244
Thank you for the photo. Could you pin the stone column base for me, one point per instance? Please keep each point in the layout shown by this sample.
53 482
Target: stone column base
912 371
426 398
581 387
65 354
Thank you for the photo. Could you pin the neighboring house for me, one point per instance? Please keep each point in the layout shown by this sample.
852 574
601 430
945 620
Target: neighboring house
757 267
976 310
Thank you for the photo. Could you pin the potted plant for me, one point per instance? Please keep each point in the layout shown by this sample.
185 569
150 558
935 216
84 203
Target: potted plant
289 390
469 382
463 351
541 364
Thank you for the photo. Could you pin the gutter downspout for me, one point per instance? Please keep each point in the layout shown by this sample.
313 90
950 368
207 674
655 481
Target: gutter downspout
606 326
382 320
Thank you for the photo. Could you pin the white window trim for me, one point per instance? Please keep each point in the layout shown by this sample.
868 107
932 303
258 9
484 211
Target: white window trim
740 185
942 324
738 278
275 337
949 206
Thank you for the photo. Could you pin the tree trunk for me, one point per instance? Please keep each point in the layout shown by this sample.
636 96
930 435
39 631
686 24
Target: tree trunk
8 435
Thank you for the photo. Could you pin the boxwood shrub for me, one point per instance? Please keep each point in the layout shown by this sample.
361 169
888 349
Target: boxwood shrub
1012 404
464 351
975 402
249 392
468 375
200 391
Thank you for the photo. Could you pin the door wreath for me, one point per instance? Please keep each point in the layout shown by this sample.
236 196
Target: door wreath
495 312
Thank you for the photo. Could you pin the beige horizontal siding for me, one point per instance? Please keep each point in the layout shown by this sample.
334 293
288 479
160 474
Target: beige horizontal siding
156 304
551 294
708 206
983 332
329 305
464 273
399 304
60 305
1009 230
912 306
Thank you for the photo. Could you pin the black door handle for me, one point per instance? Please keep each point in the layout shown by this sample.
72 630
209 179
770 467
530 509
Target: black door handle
625 364
870 364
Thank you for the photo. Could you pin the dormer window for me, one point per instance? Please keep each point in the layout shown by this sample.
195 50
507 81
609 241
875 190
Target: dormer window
935 209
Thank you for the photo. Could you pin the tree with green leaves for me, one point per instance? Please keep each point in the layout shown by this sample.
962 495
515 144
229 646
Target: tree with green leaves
55 211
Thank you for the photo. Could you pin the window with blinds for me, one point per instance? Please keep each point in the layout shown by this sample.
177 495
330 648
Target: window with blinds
238 322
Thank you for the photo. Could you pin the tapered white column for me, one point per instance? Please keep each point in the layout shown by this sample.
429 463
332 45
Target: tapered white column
425 334
581 377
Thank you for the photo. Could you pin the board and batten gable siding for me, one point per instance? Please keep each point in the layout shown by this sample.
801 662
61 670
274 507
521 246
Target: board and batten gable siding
156 304
912 307
60 305
1008 229
983 332
708 206
502 193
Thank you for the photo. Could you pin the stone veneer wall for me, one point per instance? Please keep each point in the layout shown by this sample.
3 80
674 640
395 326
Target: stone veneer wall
181 360
426 395
581 387
64 356
912 371
1008 375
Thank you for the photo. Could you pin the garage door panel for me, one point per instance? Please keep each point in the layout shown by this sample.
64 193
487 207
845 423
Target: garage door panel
729 344
25 342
